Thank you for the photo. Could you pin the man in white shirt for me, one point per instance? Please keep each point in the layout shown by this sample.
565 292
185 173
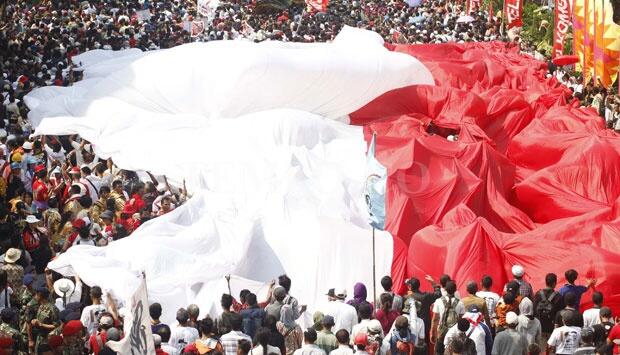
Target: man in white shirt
490 297
474 332
182 335
565 339
344 314
342 336
90 314
591 316
309 348
364 312
92 182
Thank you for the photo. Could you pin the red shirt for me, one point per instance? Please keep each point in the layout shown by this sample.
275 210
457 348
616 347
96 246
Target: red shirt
31 239
94 345
40 190
137 202
386 319
614 336
159 351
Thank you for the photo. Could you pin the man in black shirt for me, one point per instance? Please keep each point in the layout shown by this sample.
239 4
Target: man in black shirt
547 304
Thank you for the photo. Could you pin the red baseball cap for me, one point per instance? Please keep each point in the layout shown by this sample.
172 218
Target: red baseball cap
72 327
78 223
361 339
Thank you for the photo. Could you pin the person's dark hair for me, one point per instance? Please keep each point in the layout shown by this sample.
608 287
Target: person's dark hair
487 281
605 312
587 338
86 170
533 349
462 324
85 201
597 298
182 316
155 310
285 282
52 202
450 287
7 317
74 189
117 183
472 287
236 321
386 283
551 280
244 345
110 204
262 337
104 189
342 336
443 280
571 275
386 299
310 335
95 292
570 299
568 319
250 299
509 298
41 174
242 295
414 283
364 311
206 326
226 301
164 332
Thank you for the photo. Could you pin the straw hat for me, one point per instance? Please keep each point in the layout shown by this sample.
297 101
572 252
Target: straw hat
12 255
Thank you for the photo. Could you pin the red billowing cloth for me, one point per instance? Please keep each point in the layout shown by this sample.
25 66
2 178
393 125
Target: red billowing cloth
532 179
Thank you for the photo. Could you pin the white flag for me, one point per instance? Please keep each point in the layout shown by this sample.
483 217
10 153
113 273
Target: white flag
138 338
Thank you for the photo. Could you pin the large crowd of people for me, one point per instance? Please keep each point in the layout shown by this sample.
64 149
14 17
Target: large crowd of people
56 193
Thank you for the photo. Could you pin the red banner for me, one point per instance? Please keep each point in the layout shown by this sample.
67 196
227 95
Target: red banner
514 10
318 5
563 18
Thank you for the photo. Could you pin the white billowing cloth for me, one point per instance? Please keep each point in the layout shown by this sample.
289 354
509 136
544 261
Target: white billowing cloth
277 187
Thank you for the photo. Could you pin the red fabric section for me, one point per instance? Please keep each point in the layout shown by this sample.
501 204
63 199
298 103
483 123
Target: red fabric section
531 180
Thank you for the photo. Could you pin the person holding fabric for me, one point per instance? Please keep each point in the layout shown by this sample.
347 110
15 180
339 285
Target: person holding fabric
291 331
422 301
571 276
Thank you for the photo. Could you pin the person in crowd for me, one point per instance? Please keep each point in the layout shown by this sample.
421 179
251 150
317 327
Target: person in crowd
342 336
45 320
385 314
446 312
231 339
364 314
193 311
164 332
183 334
14 272
223 321
587 342
253 316
509 341
528 324
285 282
309 347
491 298
276 338
547 303
397 300
244 347
273 309
90 314
344 315
571 277
570 310
326 340
525 289
262 346
359 296
207 342
422 301
461 331
291 331
507 304
591 316
155 313
565 339
601 331
361 343
157 344
471 298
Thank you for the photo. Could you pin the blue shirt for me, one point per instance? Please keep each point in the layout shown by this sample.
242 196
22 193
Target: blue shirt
577 290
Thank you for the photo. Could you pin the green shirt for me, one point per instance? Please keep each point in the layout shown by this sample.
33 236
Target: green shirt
326 340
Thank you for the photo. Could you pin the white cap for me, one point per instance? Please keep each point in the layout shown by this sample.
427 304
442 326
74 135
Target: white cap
511 318
518 271
27 145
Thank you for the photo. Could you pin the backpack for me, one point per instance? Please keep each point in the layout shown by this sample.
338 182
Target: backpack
449 316
544 308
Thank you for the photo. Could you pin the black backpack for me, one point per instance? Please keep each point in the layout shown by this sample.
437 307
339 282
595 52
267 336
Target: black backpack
544 308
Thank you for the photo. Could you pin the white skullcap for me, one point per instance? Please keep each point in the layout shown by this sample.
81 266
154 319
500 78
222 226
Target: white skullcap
518 271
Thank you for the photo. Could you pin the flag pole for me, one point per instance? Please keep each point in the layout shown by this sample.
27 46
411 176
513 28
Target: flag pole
374 273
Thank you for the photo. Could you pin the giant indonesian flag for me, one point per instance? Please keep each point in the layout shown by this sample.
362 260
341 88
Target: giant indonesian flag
277 165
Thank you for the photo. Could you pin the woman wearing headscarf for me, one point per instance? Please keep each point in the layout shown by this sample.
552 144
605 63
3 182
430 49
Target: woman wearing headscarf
293 335
359 296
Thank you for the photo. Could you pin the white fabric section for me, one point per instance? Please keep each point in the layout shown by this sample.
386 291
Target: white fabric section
277 187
